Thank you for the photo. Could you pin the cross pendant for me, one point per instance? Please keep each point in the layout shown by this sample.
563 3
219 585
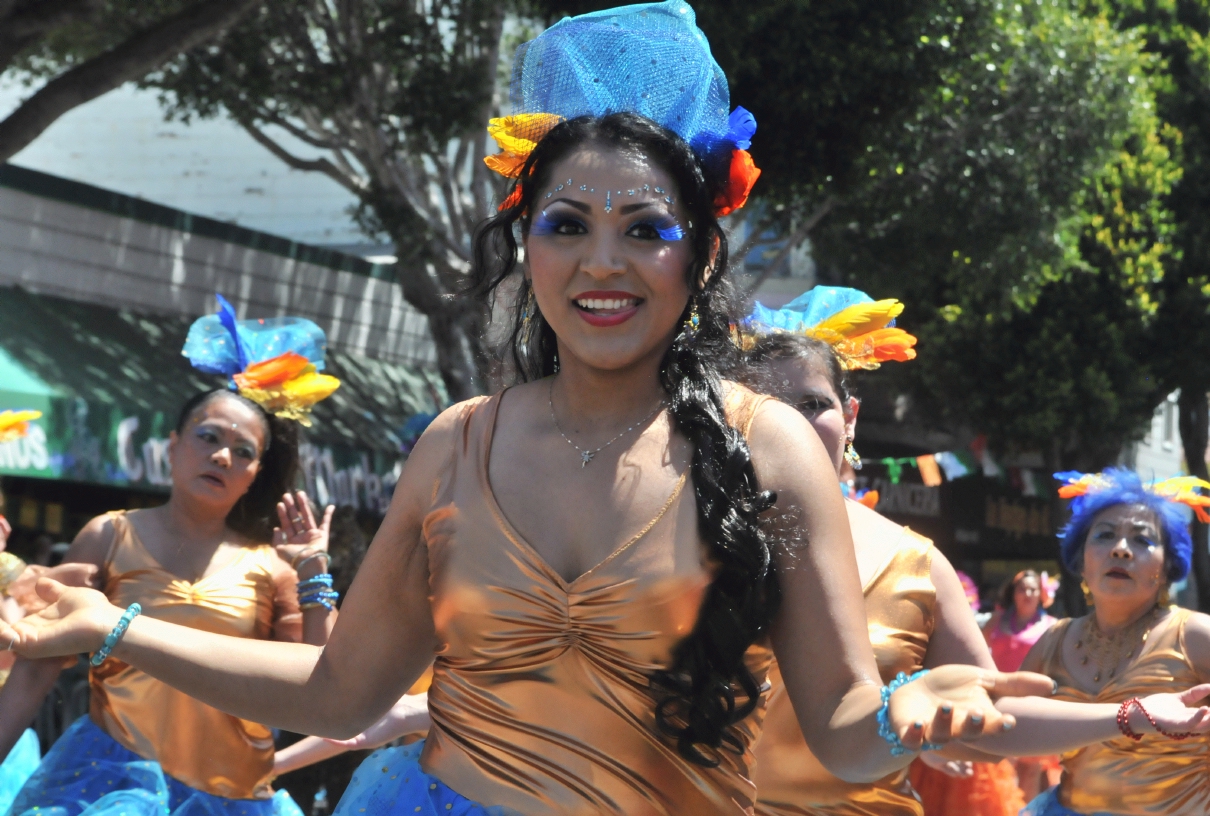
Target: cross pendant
586 457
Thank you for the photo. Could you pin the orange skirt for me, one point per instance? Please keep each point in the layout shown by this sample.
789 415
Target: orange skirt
992 791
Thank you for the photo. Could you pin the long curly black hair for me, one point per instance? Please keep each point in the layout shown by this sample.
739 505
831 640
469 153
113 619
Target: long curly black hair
708 688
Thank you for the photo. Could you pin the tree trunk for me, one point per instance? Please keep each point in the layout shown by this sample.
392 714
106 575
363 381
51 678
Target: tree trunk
1195 428
457 353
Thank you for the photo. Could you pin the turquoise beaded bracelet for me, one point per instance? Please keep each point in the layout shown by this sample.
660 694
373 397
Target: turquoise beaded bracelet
113 637
884 716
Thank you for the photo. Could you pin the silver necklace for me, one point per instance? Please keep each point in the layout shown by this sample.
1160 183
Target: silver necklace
587 455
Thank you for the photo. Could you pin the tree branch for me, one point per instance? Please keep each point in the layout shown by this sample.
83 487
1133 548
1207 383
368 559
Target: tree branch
22 26
797 237
754 237
315 165
131 60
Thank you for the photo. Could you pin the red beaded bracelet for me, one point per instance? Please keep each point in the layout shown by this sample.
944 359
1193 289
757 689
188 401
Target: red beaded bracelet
1124 718
1155 725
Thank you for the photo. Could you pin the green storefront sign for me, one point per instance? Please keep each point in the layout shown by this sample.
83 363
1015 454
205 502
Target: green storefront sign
109 384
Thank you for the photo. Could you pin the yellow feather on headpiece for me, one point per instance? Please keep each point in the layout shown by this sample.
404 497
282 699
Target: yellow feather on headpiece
861 318
15 424
860 333
860 338
517 136
1183 489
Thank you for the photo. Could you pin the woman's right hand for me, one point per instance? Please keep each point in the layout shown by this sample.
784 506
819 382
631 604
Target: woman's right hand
76 620
1173 712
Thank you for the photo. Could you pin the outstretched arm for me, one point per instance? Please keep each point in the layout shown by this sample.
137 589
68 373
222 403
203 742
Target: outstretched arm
821 636
381 643
31 680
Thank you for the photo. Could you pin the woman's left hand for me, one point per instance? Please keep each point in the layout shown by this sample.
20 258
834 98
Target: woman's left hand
955 703
298 535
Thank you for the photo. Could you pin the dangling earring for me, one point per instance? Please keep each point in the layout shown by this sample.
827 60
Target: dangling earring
527 316
1164 600
693 322
1087 592
850 454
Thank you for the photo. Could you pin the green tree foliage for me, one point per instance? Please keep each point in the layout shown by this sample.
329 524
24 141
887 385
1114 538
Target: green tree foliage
1177 32
1022 217
391 100
77 50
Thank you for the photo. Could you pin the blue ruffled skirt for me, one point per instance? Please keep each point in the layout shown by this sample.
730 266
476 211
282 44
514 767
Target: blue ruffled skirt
390 782
88 773
1047 804
17 766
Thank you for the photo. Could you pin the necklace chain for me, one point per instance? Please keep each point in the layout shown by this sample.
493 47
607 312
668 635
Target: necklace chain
587 455
1106 650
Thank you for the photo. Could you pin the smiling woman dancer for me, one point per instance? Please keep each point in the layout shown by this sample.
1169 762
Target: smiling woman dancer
1128 542
588 554
198 561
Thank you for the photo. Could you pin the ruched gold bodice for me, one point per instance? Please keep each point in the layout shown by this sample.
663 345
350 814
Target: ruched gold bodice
540 697
199 745
900 600
1156 776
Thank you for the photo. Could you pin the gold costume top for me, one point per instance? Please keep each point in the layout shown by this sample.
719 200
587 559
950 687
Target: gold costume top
540 698
900 600
194 743
1156 775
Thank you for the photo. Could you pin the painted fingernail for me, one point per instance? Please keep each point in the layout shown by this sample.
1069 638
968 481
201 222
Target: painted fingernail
1055 690
976 718
947 709
1007 726
917 725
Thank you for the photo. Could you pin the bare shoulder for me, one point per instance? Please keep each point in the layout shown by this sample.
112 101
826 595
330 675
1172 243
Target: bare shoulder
1197 641
786 450
431 455
1051 640
870 524
92 544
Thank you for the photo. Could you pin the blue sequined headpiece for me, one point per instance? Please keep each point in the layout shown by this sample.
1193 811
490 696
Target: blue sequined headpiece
650 59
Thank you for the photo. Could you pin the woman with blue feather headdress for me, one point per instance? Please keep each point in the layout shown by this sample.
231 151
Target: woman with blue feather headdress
234 551
1128 540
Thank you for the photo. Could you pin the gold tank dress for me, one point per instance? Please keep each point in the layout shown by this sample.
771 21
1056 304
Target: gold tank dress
900 603
194 743
540 697
1155 776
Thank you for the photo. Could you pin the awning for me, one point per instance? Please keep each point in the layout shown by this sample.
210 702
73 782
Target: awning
110 383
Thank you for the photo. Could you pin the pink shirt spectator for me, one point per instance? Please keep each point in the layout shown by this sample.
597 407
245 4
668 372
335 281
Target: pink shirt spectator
1008 647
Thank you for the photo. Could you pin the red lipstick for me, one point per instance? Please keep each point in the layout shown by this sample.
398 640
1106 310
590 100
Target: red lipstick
606 308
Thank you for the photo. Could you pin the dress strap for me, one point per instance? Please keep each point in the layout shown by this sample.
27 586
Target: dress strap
741 405
121 531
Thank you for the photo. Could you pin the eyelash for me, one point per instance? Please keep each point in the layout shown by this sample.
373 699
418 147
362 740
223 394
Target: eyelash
211 438
814 405
666 228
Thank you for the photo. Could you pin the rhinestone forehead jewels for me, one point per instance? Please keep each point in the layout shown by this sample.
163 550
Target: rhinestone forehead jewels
610 193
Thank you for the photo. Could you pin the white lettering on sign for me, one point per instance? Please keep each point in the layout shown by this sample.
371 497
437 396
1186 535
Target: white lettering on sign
27 453
908 499
357 486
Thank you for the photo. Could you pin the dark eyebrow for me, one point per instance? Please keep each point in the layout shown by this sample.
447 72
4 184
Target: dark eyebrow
579 205
642 205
